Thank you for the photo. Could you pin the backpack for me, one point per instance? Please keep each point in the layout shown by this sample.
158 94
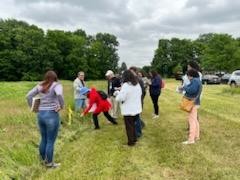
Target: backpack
162 85
103 95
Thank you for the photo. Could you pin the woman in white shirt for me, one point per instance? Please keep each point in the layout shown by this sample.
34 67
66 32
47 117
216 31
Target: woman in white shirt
130 102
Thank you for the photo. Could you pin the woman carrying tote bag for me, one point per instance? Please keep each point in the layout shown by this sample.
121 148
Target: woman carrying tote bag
51 102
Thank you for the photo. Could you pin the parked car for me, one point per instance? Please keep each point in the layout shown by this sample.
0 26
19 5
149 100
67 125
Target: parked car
211 79
235 79
225 78
220 73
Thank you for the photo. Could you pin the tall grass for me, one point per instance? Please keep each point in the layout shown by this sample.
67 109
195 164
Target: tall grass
231 90
88 154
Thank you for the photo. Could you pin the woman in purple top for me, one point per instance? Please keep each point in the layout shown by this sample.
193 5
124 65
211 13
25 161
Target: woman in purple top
51 93
155 91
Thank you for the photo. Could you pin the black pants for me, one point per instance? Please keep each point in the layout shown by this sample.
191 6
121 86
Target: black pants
142 98
106 114
130 129
155 103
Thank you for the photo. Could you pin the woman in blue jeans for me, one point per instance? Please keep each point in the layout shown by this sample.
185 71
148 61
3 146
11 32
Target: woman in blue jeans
51 93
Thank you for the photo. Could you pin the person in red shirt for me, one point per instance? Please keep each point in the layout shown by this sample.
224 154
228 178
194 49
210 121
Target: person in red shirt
97 104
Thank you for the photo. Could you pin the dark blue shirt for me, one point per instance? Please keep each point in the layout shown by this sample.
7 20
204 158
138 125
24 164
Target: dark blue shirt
155 87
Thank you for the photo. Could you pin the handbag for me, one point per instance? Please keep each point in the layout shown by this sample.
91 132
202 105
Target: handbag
35 104
186 104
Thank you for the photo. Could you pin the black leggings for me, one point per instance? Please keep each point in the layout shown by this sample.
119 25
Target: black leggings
155 103
106 114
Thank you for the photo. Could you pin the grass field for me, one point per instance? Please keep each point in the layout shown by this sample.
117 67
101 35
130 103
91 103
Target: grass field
88 154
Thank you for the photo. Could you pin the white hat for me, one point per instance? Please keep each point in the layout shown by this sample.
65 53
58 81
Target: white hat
109 72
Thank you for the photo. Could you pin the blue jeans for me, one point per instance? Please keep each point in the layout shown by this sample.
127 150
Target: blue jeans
48 122
79 104
138 126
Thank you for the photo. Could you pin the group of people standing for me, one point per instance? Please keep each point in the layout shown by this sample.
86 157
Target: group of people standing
122 92
127 91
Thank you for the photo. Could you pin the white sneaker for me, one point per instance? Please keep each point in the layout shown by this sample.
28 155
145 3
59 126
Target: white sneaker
188 142
53 165
155 116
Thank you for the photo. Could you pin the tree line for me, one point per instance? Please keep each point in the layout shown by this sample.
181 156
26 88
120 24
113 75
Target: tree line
27 52
214 52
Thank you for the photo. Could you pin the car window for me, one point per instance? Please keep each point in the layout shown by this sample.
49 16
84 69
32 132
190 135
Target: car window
237 73
226 76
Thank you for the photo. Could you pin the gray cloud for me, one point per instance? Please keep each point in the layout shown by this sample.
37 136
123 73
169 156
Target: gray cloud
102 5
205 12
138 24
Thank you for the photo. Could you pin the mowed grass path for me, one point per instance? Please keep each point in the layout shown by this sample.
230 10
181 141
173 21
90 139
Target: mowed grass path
88 154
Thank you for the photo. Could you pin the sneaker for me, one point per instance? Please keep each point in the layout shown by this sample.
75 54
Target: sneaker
114 122
188 142
155 116
52 165
131 144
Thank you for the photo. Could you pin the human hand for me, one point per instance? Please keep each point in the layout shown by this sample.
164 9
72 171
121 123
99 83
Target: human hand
179 89
82 114
115 93
117 88
57 109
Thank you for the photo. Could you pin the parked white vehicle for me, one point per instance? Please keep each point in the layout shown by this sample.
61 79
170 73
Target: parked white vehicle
235 79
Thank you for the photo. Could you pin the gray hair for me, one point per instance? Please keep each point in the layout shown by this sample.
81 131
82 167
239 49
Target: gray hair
80 72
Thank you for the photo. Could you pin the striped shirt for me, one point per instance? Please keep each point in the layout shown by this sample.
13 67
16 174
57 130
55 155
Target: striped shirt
51 100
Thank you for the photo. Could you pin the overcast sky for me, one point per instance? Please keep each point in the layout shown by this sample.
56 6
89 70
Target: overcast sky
138 24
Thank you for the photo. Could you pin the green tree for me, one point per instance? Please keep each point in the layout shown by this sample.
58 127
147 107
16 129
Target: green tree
162 59
19 49
221 52
173 53
26 52
102 55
